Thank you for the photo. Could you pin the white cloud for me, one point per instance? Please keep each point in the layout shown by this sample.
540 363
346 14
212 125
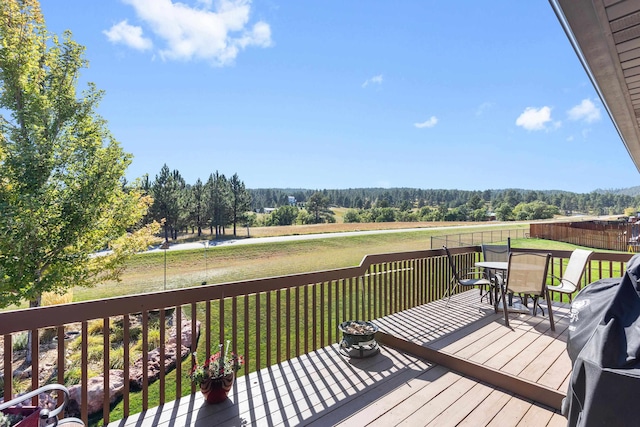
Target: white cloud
212 31
433 120
483 107
586 111
128 35
375 79
535 118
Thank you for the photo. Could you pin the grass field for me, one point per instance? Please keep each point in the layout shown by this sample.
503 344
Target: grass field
146 272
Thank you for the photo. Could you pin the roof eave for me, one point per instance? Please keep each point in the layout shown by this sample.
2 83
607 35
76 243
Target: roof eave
589 31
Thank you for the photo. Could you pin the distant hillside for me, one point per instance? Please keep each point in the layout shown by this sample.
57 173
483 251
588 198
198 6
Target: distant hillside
631 191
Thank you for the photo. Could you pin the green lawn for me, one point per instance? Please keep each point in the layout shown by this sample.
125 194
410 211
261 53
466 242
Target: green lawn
145 272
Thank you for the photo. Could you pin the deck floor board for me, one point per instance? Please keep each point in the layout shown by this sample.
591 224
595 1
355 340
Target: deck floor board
395 388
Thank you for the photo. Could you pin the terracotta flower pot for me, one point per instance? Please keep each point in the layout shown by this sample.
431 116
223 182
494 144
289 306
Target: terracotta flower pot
216 390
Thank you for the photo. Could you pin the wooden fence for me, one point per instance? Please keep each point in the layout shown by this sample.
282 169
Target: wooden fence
615 236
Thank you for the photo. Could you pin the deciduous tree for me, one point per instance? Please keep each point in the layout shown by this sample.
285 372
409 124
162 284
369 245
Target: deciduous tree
61 194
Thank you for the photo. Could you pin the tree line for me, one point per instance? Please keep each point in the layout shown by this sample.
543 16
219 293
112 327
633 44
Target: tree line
221 202
457 203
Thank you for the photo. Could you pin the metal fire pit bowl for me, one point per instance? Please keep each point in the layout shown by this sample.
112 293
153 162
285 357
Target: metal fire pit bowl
358 339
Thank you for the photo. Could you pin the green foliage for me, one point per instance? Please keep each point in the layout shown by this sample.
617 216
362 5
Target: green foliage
284 215
46 335
351 215
240 201
478 214
61 191
384 215
218 201
251 219
456 214
167 191
20 341
72 375
221 363
153 338
475 202
304 217
363 198
318 206
116 358
8 420
534 210
95 327
504 212
95 352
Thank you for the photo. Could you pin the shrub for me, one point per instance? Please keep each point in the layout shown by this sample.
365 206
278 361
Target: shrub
72 375
52 298
116 358
46 335
20 341
95 352
76 345
135 332
153 338
351 216
95 327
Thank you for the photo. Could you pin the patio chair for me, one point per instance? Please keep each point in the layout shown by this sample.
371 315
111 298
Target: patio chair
495 253
569 281
467 278
49 417
527 275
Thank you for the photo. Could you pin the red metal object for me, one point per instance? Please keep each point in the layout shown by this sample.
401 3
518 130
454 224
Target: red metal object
31 415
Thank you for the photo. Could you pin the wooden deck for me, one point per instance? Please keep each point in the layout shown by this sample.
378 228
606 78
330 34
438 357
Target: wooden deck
397 387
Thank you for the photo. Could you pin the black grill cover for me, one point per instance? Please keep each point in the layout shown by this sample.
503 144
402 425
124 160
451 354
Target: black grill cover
604 347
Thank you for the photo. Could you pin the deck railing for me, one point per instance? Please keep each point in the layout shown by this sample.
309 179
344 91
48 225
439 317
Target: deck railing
267 320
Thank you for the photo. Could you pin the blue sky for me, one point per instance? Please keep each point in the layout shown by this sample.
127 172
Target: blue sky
469 95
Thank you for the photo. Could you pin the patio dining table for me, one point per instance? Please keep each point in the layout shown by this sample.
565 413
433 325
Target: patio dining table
514 307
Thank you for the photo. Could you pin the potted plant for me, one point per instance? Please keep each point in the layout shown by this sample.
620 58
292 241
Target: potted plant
216 375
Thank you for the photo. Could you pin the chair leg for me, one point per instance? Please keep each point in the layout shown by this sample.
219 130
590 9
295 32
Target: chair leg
450 292
486 293
504 307
548 298
536 304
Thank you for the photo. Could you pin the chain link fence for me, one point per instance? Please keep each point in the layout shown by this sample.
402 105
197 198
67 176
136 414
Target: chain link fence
477 238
